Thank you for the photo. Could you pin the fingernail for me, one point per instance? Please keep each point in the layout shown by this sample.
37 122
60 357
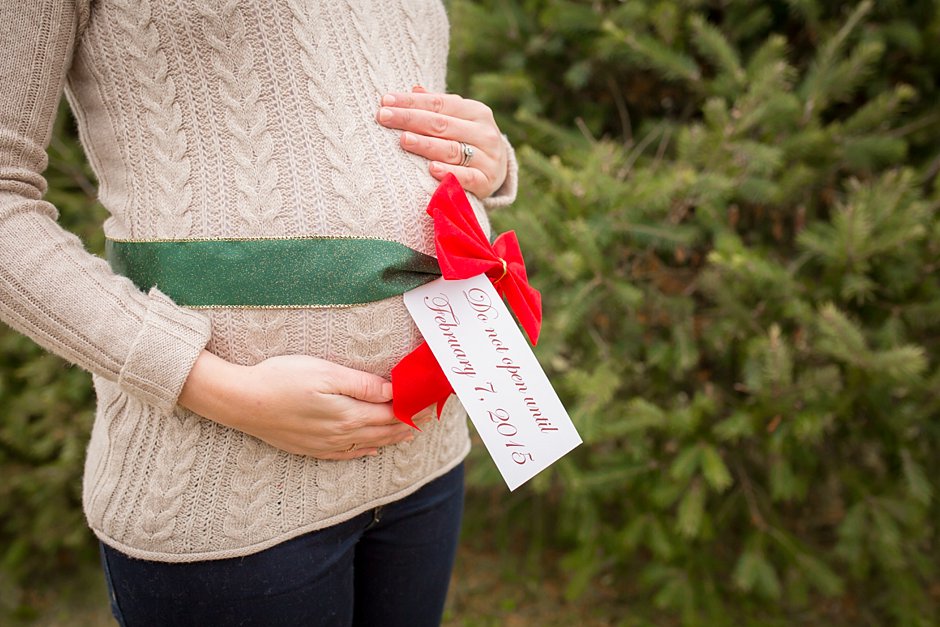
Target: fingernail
409 438
436 167
410 139
387 390
388 100
384 115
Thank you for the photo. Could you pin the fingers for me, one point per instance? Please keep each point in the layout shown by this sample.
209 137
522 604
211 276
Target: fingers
436 124
471 179
345 455
357 384
376 437
370 432
354 438
425 416
368 440
440 125
443 150
308 406
446 104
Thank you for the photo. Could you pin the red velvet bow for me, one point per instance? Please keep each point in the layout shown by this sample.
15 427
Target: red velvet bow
463 252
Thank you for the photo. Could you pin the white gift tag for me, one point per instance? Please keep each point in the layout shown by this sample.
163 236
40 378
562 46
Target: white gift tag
495 374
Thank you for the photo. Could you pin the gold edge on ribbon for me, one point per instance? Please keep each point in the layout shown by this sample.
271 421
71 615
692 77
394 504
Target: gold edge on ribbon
343 306
255 239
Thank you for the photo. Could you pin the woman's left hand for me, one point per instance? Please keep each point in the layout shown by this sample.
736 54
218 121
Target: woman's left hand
445 128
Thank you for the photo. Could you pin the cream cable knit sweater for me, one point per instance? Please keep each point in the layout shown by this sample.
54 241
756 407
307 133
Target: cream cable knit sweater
215 118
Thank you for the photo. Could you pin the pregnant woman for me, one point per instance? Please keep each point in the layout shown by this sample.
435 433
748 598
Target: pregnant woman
245 467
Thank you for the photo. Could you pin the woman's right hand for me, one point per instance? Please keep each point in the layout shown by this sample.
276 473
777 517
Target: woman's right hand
297 403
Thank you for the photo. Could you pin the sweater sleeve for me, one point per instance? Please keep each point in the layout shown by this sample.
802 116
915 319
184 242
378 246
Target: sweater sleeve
51 288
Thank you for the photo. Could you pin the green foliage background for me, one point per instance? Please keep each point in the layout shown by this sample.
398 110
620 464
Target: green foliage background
732 211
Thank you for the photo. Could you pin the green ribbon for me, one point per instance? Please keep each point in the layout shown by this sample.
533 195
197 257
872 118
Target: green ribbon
308 272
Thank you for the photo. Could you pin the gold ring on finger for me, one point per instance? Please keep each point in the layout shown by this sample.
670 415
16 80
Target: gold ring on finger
352 447
467 154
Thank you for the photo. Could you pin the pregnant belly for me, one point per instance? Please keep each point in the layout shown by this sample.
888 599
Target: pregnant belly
372 337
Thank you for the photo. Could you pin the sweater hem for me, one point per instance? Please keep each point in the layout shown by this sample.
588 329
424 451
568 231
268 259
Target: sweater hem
156 556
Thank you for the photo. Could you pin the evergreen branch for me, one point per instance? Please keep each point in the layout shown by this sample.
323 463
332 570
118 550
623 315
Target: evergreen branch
636 152
874 113
622 111
817 82
655 55
924 121
808 10
747 488
714 46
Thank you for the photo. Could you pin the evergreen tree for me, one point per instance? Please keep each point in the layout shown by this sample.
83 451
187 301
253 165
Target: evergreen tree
731 210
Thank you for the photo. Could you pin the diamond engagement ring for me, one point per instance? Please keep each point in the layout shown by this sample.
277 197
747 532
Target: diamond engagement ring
467 154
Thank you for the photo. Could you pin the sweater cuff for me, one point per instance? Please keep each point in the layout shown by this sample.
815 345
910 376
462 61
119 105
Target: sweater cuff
506 194
164 351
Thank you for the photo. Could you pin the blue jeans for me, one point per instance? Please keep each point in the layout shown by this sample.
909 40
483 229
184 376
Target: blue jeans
388 566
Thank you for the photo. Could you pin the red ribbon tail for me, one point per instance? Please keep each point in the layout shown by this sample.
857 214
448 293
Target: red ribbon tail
523 299
418 382
526 303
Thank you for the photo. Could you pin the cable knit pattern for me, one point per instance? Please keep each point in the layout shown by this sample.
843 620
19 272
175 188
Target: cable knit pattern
337 122
249 494
337 488
166 487
367 26
266 335
161 118
216 118
414 14
369 334
256 175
